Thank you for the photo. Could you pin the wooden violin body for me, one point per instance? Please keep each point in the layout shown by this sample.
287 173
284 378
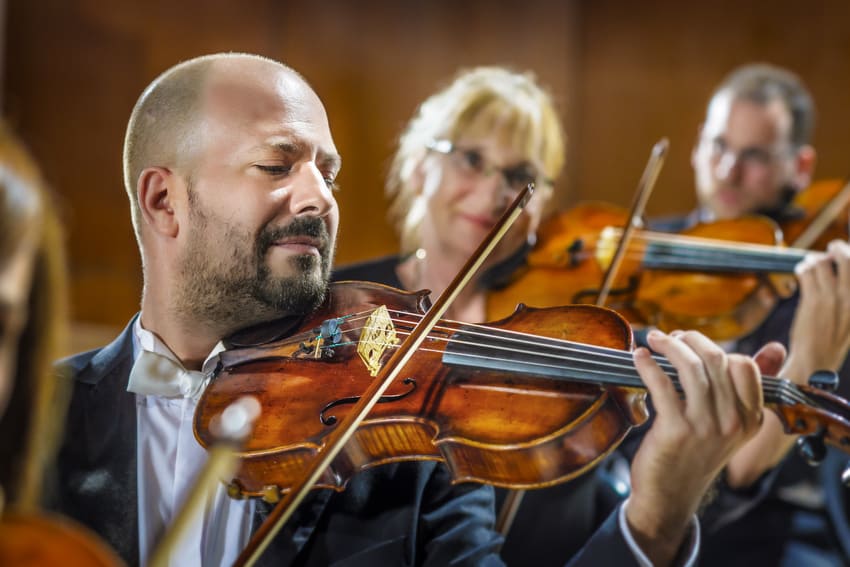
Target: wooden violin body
815 200
660 283
493 422
32 540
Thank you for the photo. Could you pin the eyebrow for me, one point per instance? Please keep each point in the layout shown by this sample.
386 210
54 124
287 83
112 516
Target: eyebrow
289 147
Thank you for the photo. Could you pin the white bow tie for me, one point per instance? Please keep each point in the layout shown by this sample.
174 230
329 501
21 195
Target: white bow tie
157 375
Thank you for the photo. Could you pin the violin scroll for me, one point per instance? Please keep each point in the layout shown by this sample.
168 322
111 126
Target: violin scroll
821 417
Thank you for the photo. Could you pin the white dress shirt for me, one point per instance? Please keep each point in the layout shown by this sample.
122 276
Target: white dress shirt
170 458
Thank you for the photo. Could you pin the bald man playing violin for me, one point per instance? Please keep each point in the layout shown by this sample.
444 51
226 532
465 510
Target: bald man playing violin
229 167
752 156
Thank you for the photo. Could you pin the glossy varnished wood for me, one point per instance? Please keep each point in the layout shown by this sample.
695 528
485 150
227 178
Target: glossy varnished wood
490 426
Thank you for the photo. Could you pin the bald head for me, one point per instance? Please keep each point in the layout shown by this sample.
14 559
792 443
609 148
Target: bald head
165 127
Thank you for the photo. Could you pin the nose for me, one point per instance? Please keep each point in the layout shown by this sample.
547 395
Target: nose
495 186
310 194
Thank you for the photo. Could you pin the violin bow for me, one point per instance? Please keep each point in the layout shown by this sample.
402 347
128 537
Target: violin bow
388 373
642 193
824 218
510 506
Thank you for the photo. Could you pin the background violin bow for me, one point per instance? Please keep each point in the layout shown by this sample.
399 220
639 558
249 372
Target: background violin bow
644 189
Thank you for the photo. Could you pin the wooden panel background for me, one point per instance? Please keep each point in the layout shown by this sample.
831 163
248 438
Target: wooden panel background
624 74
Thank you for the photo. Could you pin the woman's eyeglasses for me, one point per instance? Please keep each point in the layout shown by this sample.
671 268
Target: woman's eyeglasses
471 161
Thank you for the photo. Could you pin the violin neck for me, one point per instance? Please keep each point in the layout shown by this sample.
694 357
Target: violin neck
741 258
516 353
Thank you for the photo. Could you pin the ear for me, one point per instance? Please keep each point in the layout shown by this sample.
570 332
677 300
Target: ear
804 166
156 189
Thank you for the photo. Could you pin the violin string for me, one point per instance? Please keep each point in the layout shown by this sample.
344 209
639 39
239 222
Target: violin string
723 254
658 255
771 385
719 261
774 389
653 237
685 260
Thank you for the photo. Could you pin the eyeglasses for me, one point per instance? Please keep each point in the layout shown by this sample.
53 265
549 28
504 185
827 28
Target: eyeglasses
753 157
471 162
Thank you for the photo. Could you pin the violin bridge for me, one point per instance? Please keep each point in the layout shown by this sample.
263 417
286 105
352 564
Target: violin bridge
377 336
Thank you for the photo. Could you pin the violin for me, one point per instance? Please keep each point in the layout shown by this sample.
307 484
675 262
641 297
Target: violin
825 208
721 278
722 290
36 540
528 401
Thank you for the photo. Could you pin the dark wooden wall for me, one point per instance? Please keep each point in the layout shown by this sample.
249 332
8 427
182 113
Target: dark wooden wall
647 72
624 74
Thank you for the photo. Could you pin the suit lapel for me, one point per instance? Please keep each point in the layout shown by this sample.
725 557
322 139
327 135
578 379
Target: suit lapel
98 461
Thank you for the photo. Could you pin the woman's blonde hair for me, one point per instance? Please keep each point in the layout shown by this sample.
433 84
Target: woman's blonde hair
30 426
483 100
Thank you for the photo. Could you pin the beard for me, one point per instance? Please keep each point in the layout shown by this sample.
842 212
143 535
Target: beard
227 283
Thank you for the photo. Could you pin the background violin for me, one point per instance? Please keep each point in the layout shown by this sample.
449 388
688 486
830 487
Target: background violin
720 278
37 540
527 401
722 291
825 208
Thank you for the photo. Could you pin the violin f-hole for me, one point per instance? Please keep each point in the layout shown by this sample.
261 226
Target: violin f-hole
590 294
332 419
574 251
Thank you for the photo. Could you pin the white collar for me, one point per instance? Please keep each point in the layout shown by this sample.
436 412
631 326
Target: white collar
157 370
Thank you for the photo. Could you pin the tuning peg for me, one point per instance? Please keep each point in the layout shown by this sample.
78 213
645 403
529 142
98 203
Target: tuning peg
812 448
826 380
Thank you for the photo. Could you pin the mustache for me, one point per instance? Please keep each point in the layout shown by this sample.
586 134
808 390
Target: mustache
313 227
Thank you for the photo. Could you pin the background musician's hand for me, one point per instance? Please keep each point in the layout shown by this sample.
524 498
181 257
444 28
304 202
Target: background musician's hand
819 340
820 334
692 438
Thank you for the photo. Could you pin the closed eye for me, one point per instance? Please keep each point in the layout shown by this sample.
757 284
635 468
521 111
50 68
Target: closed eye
275 169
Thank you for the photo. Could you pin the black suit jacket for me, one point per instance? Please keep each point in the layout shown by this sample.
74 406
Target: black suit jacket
400 514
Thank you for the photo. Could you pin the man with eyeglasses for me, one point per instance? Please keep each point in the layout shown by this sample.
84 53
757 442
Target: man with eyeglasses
752 156
754 151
